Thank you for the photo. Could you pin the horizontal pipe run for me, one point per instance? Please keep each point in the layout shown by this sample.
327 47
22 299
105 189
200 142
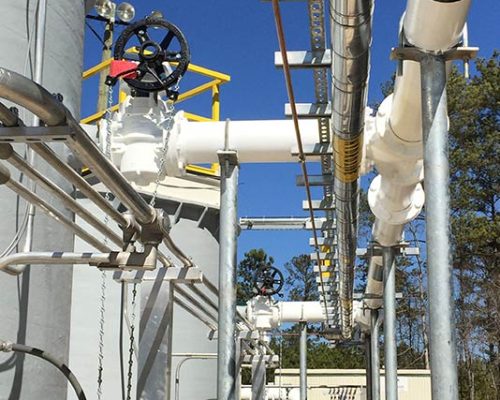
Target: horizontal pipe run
21 90
195 314
33 198
255 141
167 240
203 296
88 152
18 162
195 302
52 258
35 98
80 183
7 117
38 100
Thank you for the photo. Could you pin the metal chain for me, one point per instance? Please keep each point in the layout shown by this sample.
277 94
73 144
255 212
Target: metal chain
167 124
102 308
131 347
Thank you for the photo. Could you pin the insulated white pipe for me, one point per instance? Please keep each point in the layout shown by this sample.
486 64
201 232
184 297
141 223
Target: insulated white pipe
255 141
395 146
301 311
435 25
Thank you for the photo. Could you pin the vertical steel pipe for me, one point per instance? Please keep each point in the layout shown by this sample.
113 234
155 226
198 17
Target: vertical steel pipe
375 354
226 362
258 377
303 361
41 21
436 168
169 335
390 349
368 367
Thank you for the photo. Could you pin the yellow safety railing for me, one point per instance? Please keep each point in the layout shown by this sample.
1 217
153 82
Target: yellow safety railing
217 79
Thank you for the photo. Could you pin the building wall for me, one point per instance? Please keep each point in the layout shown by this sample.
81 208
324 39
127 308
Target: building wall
332 384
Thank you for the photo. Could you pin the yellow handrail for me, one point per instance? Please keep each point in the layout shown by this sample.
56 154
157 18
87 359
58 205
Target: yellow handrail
218 79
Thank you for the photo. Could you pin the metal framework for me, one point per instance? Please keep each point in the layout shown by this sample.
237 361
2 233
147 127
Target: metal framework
319 60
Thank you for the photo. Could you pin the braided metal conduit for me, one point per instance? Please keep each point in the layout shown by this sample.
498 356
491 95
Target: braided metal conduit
351 25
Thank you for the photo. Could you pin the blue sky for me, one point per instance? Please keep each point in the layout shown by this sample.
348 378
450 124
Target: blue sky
239 38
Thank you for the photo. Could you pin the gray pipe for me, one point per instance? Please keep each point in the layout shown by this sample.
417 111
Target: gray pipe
35 98
195 302
181 363
443 356
303 361
33 198
20 90
52 258
7 117
8 153
390 349
39 54
351 39
226 362
194 313
368 367
375 354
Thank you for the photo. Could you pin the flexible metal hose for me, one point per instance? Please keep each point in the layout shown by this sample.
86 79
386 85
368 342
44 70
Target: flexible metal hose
21 348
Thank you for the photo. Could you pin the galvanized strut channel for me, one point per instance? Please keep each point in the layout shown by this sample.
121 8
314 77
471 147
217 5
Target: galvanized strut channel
320 76
351 22
302 157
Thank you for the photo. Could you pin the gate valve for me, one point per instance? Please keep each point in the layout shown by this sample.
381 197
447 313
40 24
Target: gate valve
268 281
161 56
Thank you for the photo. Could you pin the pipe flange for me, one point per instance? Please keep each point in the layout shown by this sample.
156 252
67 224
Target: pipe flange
381 209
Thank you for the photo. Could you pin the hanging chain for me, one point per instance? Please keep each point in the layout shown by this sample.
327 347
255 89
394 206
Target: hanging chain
102 308
166 124
132 340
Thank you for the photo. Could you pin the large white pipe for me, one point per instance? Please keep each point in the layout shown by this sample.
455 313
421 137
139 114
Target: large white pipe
265 315
395 144
255 141
435 25
301 311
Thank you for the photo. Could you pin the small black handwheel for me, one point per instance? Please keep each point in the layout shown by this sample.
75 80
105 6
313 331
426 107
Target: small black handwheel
156 41
268 281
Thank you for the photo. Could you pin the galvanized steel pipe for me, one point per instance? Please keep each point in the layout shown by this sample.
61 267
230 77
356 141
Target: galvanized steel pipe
390 349
226 362
303 361
443 357
375 354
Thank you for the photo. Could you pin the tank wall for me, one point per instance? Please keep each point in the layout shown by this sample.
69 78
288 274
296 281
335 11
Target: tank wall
35 307
194 231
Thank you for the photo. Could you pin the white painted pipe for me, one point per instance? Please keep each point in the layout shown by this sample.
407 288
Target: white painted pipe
435 25
395 144
255 141
301 311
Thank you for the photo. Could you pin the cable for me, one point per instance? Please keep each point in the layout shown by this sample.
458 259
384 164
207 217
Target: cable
21 348
95 33
302 157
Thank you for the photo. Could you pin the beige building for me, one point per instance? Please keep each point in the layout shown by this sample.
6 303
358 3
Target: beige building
350 384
